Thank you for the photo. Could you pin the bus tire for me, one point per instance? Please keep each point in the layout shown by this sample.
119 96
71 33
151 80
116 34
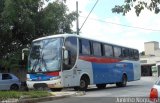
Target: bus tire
123 83
84 82
101 86
55 89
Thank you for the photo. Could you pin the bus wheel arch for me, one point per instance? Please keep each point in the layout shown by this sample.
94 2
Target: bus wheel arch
84 82
123 83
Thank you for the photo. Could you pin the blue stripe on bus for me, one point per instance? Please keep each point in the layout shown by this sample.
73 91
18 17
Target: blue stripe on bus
112 72
39 77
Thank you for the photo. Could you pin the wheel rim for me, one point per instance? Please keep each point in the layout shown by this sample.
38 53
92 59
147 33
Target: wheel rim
82 84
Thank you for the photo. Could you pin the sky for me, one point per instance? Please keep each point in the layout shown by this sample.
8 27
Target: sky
103 25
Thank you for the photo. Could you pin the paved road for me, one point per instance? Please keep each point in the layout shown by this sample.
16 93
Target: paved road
139 88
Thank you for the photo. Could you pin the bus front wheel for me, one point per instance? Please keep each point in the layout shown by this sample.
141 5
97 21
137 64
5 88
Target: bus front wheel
123 83
84 82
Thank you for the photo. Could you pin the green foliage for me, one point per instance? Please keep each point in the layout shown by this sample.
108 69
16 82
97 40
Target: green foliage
21 21
142 53
4 95
9 94
36 94
12 61
138 6
55 19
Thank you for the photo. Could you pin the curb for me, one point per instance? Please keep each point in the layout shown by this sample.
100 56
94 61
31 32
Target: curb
43 99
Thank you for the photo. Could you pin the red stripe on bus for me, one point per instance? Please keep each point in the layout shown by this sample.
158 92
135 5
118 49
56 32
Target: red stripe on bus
99 59
53 74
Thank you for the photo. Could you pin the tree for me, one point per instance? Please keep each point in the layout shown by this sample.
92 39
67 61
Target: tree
54 19
21 21
138 5
142 53
17 25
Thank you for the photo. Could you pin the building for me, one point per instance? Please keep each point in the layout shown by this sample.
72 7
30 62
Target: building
150 59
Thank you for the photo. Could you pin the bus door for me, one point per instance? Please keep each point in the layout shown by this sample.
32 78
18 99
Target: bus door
70 57
70 77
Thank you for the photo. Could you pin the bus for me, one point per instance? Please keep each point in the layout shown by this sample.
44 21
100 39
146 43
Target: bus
68 60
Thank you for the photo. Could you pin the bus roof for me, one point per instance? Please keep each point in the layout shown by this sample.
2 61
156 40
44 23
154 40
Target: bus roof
75 35
53 36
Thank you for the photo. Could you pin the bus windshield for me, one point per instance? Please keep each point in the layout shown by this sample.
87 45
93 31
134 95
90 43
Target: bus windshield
45 55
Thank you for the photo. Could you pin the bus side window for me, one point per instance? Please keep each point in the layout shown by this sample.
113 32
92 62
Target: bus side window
125 53
136 55
97 49
85 47
131 52
117 52
108 50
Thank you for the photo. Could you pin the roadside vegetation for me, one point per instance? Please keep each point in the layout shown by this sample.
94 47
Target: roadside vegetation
4 95
21 21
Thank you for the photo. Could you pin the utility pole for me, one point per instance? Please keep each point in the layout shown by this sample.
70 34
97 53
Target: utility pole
77 17
88 15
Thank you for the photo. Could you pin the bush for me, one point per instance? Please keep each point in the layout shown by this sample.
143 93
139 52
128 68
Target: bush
4 95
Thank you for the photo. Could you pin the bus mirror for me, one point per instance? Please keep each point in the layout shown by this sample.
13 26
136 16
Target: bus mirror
65 54
66 58
22 55
23 52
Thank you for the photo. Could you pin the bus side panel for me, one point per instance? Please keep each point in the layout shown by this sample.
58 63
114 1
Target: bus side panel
133 70
129 71
84 67
103 73
111 72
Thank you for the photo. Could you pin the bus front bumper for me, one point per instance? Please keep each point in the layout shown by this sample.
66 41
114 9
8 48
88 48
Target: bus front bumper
50 84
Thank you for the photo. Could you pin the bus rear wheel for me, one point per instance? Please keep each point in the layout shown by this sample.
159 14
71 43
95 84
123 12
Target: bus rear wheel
101 86
123 83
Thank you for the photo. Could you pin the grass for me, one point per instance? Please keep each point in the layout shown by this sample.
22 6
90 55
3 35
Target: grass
4 95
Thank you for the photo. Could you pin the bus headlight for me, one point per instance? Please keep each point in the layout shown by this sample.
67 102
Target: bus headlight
55 78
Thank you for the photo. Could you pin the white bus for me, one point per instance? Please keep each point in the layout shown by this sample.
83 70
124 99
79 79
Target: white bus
68 60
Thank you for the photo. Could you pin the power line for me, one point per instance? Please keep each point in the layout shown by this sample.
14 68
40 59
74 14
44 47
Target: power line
89 14
135 27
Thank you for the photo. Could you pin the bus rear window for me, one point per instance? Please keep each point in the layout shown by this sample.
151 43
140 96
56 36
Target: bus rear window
136 55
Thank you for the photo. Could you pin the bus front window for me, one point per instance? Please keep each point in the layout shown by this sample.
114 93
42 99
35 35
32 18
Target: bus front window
45 55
